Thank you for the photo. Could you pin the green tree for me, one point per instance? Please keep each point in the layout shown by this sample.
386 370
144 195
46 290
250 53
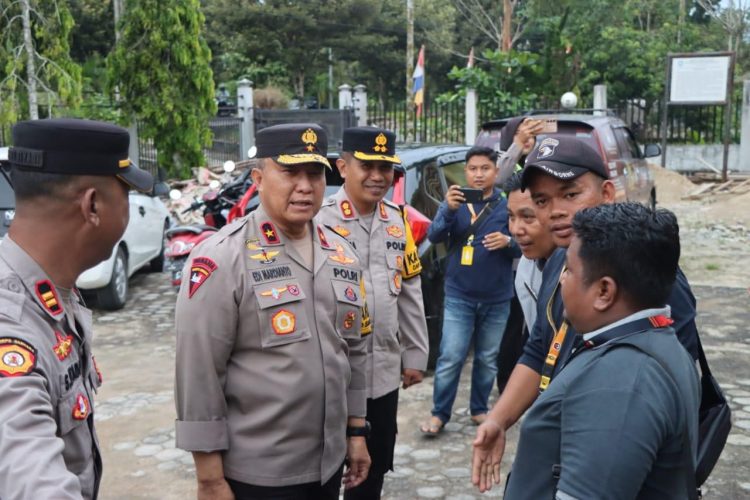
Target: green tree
161 68
35 65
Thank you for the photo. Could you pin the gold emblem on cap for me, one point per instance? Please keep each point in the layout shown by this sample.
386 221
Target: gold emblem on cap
380 141
310 138
124 163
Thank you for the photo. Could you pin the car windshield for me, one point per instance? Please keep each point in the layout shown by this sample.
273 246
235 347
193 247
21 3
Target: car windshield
7 198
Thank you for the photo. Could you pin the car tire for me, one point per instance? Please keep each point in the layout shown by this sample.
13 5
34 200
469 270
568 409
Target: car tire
157 263
113 296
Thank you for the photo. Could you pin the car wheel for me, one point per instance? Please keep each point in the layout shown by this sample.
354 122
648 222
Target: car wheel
114 295
157 263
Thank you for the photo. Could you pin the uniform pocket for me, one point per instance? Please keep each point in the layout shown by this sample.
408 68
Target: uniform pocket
395 268
281 315
73 408
349 303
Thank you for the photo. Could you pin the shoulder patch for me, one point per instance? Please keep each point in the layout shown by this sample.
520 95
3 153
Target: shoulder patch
47 295
347 211
17 357
383 211
200 270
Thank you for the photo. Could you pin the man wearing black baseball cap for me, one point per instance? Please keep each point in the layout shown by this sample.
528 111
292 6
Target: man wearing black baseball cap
564 176
271 384
71 180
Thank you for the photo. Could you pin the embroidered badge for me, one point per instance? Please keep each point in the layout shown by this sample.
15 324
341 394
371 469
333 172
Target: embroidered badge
82 407
283 322
383 212
200 271
347 212
394 231
380 143
350 294
265 257
340 256
17 357
342 231
397 281
400 262
310 138
660 321
269 233
275 292
349 320
322 237
48 295
547 147
253 244
64 343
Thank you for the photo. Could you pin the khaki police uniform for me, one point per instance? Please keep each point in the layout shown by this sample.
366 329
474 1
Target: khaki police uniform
393 286
48 378
270 354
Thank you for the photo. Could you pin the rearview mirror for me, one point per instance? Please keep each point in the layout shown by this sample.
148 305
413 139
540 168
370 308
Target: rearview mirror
652 150
161 189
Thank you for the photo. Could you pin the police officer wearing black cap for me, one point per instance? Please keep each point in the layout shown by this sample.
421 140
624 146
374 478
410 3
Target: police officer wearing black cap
71 180
564 175
397 349
271 382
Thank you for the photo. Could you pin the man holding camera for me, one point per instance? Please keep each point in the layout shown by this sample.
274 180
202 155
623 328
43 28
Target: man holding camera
478 285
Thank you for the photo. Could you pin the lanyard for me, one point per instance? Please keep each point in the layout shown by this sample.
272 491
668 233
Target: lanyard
554 349
474 215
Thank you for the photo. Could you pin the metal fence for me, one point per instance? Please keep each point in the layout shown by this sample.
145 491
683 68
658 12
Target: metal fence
334 121
226 144
440 122
686 124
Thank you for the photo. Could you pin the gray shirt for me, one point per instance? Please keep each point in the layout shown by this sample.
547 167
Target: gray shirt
614 421
528 281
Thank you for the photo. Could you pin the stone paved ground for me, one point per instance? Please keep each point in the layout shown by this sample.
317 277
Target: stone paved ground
135 411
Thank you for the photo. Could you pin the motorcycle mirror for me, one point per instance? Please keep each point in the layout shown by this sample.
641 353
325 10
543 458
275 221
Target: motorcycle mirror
252 152
214 184
229 166
175 194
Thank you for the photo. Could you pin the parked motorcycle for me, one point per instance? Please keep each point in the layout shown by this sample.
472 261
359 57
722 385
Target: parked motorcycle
220 206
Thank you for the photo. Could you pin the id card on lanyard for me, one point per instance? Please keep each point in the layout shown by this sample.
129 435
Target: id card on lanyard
467 252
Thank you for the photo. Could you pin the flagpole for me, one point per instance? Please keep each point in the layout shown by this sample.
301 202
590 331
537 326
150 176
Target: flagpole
409 47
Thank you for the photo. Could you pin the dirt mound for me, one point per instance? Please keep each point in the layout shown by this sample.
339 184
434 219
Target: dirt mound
670 186
730 209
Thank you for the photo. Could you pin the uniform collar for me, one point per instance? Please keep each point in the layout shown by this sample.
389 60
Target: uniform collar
347 211
646 313
36 281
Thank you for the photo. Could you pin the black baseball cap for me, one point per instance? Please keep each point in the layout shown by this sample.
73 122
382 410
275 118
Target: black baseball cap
565 158
293 144
370 143
76 147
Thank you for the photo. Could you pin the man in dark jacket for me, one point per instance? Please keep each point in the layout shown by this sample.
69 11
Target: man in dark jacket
478 287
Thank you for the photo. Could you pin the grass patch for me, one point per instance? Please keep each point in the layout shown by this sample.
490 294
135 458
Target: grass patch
712 267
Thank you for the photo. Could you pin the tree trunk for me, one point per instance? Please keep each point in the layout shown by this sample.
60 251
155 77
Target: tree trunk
30 62
507 25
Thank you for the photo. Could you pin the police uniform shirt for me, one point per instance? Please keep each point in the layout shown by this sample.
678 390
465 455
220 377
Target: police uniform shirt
550 317
48 378
394 295
614 421
270 359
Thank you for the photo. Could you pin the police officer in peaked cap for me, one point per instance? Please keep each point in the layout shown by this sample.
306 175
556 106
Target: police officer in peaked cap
271 340
71 180
397 349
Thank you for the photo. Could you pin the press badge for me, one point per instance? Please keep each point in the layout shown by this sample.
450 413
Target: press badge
467 252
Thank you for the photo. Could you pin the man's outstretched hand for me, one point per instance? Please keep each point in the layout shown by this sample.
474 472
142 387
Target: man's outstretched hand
489 447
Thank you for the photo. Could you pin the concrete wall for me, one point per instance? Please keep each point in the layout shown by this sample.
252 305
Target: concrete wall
687 158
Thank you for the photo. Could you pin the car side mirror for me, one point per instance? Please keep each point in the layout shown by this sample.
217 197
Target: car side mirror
161 189
652 150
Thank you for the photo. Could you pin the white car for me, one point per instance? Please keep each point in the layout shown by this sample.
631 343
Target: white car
141 245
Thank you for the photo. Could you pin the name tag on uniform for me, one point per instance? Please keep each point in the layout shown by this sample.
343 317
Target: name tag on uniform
467 255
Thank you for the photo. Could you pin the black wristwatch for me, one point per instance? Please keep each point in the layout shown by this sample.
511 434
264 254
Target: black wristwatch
359 431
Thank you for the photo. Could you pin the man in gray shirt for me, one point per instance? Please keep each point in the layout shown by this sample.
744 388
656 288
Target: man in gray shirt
621 421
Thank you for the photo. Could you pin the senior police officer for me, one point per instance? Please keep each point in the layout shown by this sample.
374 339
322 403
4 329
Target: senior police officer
270 354
71 180
378 231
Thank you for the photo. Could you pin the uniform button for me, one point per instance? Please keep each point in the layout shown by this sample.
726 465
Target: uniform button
11 284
